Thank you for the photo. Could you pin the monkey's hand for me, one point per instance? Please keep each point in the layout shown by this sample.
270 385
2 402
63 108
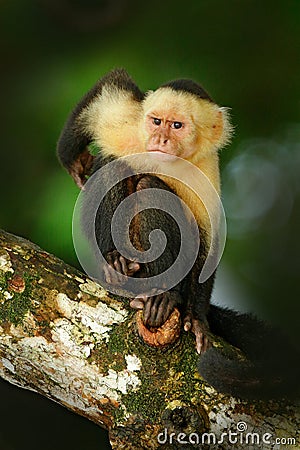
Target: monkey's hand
200 329
81 167
117 264
156 308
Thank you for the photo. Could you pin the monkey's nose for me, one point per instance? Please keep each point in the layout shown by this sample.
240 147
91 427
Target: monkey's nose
160 139
164 138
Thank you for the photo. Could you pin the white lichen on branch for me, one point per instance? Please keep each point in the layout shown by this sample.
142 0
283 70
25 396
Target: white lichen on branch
84 323
5 263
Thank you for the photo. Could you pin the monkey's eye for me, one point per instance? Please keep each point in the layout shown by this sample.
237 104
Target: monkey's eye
176 125
156 121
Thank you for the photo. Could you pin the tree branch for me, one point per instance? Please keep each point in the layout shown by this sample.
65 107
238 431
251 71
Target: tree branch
64 337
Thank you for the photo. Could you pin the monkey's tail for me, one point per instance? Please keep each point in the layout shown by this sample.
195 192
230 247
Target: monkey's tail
271 368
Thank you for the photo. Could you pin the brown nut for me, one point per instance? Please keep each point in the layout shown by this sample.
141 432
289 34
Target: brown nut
165 335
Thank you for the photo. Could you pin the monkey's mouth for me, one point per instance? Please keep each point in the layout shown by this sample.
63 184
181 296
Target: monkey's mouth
161 154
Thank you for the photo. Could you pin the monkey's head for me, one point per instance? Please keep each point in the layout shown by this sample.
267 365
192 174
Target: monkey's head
180 119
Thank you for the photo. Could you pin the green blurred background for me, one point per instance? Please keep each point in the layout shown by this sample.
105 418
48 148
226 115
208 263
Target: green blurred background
246 54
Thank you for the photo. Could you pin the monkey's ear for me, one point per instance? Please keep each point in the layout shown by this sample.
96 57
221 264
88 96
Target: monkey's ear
222 129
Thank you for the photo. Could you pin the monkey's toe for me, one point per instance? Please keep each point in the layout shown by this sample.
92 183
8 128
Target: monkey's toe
158 308
200 329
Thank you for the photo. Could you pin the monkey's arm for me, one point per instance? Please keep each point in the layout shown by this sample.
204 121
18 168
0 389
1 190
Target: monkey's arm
96 218
72 147
81 126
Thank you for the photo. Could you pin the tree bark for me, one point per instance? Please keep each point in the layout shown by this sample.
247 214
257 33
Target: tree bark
63 336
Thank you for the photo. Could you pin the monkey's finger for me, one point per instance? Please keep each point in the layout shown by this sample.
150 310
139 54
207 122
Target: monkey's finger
142 297
160 310
79 182
154 311
148 300
76 171
110 260
187 326
137 304
111 274
197 330
160 315
199 342
114 275
107 274
133 267
187 322
124 267
164 309
169 308
147 310
114 267
202 342
118 265
206 344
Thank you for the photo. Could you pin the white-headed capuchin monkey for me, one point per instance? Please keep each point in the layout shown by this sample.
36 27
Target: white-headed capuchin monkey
178 119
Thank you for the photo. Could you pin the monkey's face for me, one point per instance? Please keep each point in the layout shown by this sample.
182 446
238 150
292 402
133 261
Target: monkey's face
169 133
180 124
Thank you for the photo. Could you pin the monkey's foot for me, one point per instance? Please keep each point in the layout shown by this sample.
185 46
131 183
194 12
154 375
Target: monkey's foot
156 308
118 265
200 329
